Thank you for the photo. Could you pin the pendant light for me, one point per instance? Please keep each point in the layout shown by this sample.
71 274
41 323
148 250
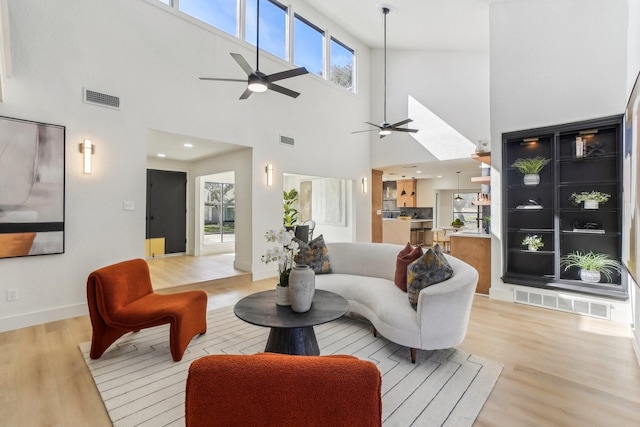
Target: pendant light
458 202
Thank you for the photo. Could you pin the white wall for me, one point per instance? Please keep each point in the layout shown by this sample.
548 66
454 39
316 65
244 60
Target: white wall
452 85
552 62
151 57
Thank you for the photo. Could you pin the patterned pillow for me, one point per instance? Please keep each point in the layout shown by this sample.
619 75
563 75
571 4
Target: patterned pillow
314 254
428 270
405 257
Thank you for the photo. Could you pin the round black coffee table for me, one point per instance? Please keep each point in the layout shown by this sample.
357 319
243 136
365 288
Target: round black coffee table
291 332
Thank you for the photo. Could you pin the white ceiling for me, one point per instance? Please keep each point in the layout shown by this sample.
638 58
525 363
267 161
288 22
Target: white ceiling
412 24
173 147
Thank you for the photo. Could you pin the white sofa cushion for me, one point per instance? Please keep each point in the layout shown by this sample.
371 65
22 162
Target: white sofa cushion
378 300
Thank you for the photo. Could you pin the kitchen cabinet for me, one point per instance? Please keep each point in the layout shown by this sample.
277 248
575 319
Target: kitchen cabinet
401 231
406 193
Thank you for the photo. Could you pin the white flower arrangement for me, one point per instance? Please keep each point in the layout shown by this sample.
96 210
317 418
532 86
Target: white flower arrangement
533 241
282 254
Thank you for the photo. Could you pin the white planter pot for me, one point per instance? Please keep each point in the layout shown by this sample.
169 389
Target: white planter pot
592 276
302 287
590 204
532 248
531 179
282 295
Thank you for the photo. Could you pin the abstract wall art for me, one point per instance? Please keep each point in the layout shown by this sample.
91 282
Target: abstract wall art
32 165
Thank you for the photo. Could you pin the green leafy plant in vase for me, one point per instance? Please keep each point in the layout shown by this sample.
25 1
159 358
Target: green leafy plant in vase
589 199
592 265
530 167
533 242
290 214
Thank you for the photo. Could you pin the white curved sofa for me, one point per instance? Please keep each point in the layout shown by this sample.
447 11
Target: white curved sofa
363 273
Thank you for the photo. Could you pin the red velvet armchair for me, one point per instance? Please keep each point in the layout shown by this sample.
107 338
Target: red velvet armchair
282 390
121 299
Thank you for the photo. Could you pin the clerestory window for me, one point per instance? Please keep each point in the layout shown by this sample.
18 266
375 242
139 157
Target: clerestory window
222 14
308 46
273 26
341 64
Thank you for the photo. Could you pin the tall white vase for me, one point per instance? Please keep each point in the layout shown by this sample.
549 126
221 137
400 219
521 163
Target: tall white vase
302 287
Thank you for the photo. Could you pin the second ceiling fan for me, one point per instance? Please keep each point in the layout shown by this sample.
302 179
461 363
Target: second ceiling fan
385 128
257 81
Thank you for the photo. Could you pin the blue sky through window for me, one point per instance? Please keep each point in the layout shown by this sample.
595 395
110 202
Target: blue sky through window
308 45
308 40
219 13
273 27
342 57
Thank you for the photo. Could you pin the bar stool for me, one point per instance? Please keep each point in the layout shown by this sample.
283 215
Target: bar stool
441 238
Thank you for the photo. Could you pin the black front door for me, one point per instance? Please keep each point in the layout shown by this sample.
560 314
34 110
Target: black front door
166 208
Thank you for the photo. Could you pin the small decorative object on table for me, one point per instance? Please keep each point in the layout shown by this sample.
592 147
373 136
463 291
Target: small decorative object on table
283 255
592 265
533 242
530 168
457 223
590 200
302 287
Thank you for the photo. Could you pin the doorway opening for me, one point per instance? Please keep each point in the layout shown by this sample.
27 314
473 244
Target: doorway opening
215 216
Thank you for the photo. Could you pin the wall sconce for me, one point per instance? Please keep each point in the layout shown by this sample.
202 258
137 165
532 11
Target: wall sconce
269 171
87 149
365 185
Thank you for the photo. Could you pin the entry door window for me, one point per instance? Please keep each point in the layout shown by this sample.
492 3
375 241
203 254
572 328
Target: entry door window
219 212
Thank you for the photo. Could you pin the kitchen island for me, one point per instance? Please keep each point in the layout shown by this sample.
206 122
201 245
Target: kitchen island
400 231
474 248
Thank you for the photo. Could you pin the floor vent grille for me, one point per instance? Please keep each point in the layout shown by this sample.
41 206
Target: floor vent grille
101 99
571 305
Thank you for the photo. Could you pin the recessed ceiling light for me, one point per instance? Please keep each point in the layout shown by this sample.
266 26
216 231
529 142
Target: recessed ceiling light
418 171
188 145
439 176
162 155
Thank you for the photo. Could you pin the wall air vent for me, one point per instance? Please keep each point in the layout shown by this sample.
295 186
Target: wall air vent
286 140
101 99
568 304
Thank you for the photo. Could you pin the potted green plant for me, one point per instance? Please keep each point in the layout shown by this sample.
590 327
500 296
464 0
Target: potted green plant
457 223
486 221
290 214
533 242
530 167
592 265
589 199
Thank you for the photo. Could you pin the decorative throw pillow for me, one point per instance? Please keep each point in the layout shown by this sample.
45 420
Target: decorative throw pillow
428 270
405 257
315 254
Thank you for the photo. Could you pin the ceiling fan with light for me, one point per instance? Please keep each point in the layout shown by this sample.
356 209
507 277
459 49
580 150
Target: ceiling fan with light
385 128
257 81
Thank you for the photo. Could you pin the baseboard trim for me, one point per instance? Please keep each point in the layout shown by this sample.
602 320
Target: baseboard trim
40 317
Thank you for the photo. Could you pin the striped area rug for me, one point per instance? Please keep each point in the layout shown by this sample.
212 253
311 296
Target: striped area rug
142 386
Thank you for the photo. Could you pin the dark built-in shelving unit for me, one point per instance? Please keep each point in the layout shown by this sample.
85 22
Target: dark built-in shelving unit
595 164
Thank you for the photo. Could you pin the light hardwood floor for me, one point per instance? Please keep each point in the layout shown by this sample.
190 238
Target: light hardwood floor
560 369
